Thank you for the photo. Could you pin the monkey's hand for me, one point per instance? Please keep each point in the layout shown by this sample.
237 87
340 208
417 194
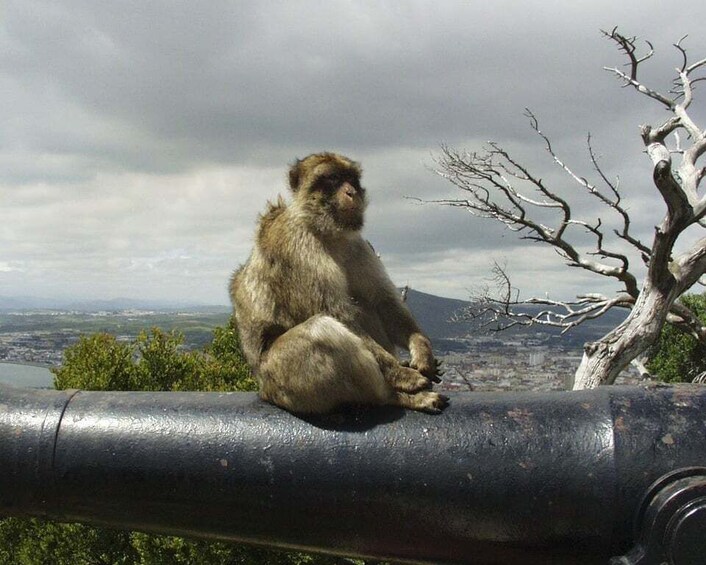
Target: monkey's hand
433 372
434 375
423 359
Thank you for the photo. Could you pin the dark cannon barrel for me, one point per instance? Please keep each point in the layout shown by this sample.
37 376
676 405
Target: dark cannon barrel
560 477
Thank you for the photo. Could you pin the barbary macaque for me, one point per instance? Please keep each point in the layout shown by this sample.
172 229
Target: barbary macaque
319 319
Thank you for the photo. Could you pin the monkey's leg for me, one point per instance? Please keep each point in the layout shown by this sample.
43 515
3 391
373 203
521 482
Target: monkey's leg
406 379
319 365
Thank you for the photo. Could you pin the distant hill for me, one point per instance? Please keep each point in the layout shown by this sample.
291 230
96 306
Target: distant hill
433 313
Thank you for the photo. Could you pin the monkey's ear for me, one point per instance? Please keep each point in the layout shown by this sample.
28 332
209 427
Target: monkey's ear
294 175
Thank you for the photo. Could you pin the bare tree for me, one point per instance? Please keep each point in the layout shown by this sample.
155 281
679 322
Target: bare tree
499 187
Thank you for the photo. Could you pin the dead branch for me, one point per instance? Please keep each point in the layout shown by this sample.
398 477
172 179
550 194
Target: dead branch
627 45
498 187
498 307
615 204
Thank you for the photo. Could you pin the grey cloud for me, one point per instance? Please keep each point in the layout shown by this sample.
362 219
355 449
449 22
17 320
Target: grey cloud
231 81
145 136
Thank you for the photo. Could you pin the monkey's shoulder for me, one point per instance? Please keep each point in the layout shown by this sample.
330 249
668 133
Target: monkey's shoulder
271 214
272 225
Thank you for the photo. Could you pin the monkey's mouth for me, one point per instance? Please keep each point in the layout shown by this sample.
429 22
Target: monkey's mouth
350 217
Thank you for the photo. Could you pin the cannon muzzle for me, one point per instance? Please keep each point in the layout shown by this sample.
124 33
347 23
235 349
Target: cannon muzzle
561 477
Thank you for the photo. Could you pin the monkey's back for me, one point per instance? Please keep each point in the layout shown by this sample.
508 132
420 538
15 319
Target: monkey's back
251 290
279 286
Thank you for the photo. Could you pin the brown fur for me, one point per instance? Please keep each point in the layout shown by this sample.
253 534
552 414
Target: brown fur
318 316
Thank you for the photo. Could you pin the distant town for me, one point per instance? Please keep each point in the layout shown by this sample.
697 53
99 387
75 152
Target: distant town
39 337
498 362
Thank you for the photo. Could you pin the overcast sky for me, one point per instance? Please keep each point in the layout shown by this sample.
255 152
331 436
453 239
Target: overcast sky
139 140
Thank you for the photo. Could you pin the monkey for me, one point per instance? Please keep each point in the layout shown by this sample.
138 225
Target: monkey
319 319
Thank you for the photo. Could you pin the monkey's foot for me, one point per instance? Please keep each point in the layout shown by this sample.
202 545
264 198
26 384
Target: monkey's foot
406 379
429 402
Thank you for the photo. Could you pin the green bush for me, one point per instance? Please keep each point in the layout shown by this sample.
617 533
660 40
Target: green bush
678 357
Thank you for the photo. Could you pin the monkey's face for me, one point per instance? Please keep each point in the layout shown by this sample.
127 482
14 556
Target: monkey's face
343 199
328 187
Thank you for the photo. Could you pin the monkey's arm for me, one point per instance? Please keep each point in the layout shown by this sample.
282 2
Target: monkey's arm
400 326
404 331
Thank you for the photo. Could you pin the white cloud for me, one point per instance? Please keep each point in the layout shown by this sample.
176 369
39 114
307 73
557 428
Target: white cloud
124 234
6 267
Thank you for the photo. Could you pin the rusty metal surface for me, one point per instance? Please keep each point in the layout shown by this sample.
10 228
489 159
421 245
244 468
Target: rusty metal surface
497 478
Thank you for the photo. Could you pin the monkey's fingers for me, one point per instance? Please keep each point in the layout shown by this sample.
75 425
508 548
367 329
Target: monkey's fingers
434 374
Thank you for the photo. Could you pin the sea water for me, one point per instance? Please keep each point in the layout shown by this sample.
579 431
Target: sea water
28 376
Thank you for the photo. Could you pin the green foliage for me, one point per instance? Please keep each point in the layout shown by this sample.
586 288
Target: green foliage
167 550
97 362
155 361
35 542
679 357
225 367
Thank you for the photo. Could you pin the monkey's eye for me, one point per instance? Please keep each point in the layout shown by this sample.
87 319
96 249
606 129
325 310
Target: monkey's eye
329 182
